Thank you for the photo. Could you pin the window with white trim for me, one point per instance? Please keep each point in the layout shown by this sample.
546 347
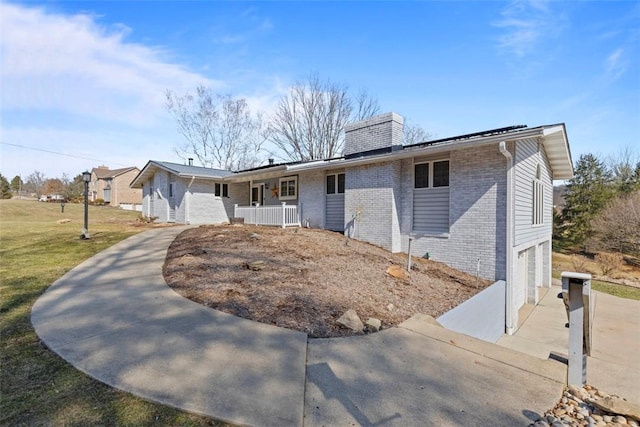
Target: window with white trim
221 190
537 203
288 188
431 174
335 183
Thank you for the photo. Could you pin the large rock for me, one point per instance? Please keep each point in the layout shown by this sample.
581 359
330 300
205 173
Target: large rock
617 406
351 320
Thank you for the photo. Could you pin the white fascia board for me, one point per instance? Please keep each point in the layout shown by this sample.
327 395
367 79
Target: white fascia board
556 145
257 174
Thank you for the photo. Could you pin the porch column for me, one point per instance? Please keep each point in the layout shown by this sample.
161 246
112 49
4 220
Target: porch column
284 214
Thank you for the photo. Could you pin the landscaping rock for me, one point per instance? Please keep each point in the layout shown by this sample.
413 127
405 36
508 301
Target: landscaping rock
616 405
586 406
255 236
398 272
255 265
351 320
374 324
63 221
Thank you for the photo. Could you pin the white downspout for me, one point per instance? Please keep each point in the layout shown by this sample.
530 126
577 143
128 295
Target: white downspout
510 327
187 207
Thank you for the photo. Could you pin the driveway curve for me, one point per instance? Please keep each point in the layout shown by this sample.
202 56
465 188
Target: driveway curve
114 318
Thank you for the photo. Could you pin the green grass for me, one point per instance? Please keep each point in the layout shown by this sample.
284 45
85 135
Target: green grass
561 262
37 387
614 289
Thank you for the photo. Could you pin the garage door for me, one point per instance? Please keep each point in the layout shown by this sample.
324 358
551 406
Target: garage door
520 285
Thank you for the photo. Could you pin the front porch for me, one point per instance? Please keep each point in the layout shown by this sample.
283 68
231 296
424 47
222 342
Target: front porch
279 216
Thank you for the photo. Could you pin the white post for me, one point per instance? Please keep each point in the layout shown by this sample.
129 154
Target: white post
284 214
235 210
576 289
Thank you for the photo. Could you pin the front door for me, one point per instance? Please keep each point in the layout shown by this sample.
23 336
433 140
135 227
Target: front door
257 194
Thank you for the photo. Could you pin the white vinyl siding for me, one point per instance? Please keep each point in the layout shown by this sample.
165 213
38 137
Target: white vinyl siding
527 158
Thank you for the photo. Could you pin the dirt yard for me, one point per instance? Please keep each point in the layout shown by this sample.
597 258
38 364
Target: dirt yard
305 279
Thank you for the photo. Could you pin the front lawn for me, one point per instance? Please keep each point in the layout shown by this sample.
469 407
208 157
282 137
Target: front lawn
38 244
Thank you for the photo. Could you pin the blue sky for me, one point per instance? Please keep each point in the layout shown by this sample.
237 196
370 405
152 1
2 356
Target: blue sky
82 83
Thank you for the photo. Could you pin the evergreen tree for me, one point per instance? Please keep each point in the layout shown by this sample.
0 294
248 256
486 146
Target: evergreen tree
5 188
587 193
16 183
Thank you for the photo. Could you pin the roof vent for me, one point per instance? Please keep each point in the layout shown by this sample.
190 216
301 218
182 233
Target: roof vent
271 162
190 161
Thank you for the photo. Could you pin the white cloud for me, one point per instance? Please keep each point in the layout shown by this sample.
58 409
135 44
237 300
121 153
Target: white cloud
615 64
72 65
526 25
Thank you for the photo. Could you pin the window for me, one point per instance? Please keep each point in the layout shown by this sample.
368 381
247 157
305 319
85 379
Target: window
335 183
431 174
288 188
151 192
221 190
441 174
537 202
422 175
171 184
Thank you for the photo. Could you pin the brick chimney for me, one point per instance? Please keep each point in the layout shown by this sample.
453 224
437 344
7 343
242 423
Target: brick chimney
379 133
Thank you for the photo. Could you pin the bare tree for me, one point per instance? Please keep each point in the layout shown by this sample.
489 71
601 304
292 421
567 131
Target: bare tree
415 134
308 123
34 183
617 226
220 130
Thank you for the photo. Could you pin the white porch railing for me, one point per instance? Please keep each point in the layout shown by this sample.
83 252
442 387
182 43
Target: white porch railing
280 216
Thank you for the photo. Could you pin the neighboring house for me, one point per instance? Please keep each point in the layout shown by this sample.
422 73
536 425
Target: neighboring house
112 186
481 202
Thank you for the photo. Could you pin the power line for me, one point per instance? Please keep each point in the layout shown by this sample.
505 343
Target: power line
61 154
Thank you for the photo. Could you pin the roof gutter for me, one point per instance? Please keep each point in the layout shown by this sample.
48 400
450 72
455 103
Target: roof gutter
510 327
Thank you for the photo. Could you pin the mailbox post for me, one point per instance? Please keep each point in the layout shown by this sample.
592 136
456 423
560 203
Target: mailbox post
576 293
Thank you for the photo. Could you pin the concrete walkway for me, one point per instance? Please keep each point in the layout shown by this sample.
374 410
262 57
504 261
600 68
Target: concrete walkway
614 365
114 318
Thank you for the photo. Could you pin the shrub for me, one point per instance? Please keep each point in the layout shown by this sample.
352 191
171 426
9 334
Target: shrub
579 263
609 262
146 219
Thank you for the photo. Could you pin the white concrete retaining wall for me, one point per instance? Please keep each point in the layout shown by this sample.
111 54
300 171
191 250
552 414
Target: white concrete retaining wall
482 316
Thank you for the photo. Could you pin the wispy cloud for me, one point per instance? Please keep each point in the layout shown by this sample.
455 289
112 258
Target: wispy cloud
615 65
526 24
73 65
